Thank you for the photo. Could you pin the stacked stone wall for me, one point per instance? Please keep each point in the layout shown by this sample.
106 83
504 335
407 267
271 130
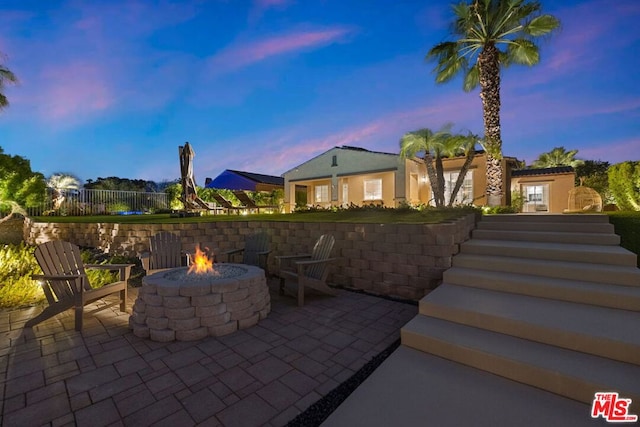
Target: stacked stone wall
403 260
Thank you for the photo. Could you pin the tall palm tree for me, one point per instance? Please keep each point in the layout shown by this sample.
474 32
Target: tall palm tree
559 156
489 35
429 143
6 76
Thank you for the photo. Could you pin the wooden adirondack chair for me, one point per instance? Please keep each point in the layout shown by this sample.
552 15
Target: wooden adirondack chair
164 252
227 204
311 270
65 282
255 252
250 204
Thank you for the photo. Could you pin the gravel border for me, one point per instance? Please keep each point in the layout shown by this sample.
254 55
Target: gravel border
317 413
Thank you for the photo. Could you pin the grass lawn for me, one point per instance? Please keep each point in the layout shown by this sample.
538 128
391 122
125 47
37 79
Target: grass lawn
369 216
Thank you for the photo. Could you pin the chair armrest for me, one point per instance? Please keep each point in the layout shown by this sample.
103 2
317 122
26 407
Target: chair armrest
59 277
314 261
279 257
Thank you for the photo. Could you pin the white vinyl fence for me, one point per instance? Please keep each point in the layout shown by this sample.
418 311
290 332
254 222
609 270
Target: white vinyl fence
100 202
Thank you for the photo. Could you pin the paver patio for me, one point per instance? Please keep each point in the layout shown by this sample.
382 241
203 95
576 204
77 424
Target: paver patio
264 375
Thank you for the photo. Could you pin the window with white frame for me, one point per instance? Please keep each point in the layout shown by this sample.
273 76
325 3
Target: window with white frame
322 193
465 193
373 189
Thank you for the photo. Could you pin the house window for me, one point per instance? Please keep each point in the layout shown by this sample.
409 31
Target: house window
465 193
373 189
322 193
536 198
334 161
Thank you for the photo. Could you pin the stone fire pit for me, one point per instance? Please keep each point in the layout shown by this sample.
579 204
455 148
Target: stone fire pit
173 305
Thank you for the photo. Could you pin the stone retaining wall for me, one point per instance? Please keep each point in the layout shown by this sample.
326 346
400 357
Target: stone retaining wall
404 260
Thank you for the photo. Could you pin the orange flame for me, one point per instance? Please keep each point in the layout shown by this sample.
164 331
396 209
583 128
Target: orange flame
201 263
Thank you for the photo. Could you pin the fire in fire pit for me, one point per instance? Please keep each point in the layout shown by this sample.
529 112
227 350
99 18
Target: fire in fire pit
202 263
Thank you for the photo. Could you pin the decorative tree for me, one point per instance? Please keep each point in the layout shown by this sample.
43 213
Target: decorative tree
480 28
624 183
58 182
6 76
434 146
559 156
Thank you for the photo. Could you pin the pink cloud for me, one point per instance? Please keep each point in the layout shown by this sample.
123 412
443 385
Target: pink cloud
261 6
242 55
613 151
72 90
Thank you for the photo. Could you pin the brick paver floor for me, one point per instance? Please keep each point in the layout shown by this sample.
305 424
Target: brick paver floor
264 375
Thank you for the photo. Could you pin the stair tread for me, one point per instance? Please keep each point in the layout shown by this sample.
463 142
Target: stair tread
577 247
594 369
560 236
615 255
561 218
571 286
587 320
494 263
563 227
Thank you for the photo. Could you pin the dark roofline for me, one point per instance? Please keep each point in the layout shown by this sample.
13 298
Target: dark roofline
542 171
349 147
260 178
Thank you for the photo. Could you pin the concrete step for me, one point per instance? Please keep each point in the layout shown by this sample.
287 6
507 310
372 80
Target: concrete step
413 388
541 218
603 295
594 330
598 273
565 372
611 255
548 236
568 227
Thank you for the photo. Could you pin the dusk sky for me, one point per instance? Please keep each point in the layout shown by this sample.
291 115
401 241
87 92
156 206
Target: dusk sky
112 88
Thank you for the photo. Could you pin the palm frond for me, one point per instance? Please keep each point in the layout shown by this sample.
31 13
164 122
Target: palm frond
523 51
471 79
541 25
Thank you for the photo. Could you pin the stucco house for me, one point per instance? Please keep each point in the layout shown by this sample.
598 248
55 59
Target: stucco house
351 175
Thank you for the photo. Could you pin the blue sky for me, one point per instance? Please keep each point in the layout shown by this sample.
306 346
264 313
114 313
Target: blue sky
112 88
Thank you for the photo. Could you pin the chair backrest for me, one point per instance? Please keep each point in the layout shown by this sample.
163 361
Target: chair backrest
57 258
222 201
165 250
321 251
254 245
245 199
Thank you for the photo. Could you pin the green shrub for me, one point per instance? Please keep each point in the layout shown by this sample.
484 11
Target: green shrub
624 184
16 286
18 262
627 226
493 210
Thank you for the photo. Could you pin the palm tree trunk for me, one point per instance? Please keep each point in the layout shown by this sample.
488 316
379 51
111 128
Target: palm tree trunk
433 178
440 174
489 73
463 173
